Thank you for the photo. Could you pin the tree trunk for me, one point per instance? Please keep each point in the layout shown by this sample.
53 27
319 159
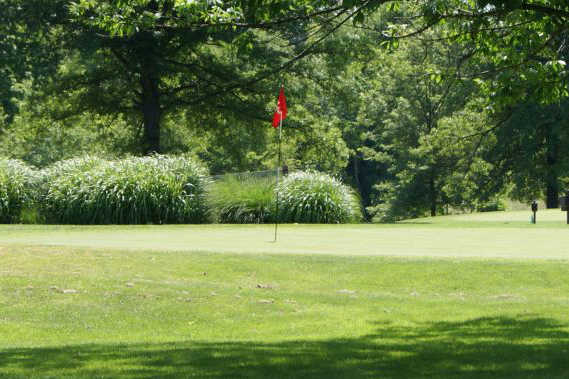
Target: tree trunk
433 196
364 194
552 195
151 113
552 184
356 167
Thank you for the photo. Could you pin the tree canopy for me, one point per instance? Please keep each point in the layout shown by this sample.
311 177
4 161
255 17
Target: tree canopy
422 106
145 59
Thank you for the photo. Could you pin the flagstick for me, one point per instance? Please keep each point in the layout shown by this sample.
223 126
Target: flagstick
278 168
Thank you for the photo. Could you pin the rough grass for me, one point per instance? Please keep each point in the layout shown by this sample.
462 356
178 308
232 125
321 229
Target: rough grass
114 313
85 307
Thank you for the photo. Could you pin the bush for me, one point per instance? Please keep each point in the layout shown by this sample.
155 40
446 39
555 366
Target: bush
493 205
242 199
156 189
310 197
16 190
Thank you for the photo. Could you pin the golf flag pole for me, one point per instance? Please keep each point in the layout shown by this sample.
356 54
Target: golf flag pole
278 168
278 118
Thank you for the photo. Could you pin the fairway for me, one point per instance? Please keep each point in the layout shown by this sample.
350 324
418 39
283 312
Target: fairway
497 234
452 297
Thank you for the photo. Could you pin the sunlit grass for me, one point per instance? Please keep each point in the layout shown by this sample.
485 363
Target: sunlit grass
521 218
84 312
323 301
455 237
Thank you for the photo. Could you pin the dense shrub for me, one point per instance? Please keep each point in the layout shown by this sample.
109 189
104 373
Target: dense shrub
310 197
242 199
156 189
16 192
161 189
492 205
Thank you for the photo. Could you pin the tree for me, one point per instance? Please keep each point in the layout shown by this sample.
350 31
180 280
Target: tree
412 118
36 135
149 58
528 151
520 41
24 50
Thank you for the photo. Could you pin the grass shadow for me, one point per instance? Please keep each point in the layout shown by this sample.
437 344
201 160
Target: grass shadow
523 347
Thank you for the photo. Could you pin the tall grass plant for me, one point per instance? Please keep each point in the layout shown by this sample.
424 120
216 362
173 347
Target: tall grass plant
16 190
137 190
242 199
312 197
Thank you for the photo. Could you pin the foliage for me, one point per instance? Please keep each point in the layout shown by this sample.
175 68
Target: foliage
529 151
493 205
146 60
128 17
41 133
520 43
406 120
242 199
312 197
311 140
156 189
16 190
400 119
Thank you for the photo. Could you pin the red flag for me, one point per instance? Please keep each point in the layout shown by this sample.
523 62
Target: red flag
281 112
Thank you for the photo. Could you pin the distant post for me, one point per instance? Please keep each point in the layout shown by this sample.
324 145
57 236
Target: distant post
564 204
534 210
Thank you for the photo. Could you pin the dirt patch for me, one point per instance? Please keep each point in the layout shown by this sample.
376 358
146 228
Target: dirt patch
67 291
346 292
264 286
507 297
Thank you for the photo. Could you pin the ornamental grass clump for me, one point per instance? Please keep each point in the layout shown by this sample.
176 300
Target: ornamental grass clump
242 199
138 190
16 190
311 197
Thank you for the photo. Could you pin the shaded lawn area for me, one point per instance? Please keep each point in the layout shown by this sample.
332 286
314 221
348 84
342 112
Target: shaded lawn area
78 312
524 347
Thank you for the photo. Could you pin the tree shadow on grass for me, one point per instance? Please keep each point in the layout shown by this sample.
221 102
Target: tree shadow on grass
500 347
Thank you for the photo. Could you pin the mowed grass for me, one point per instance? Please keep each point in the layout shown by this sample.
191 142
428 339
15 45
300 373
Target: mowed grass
94 308
489 235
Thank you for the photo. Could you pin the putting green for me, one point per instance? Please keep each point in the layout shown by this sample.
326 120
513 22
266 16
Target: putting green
488 235
549 218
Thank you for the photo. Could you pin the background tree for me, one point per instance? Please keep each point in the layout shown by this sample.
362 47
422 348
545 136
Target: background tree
146 59
528 151
407 101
